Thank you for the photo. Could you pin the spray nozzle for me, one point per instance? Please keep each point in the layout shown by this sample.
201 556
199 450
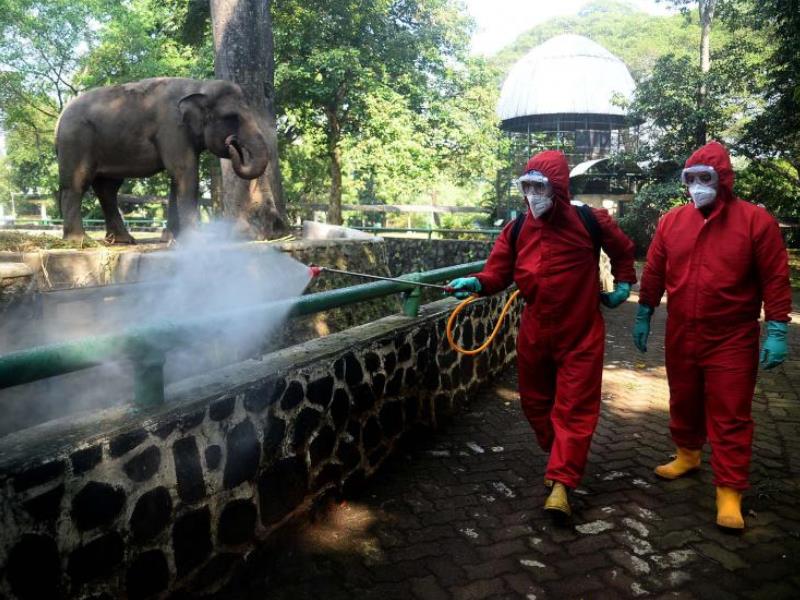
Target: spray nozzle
315 270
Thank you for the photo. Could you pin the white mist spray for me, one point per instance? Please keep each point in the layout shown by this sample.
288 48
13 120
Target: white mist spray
208 273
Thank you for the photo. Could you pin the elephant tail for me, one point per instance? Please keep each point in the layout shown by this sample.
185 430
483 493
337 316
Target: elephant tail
55 136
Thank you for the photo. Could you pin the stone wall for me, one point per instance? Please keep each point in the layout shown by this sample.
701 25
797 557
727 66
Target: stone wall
409 255
62 269
126 504
16 284
361 256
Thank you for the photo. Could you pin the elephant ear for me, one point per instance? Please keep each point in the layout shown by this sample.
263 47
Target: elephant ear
194 109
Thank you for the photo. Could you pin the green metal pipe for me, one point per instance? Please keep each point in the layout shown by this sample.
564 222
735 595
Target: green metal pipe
41 362
412 302
314 303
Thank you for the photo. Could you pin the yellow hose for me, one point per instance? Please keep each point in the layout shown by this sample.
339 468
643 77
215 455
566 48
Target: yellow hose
452 320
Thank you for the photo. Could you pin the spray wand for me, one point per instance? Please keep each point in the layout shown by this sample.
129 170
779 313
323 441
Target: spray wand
316 270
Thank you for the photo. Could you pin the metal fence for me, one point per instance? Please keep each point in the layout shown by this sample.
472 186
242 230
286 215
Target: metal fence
429 233
87 223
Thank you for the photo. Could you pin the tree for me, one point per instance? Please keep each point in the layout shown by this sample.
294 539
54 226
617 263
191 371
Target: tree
775 131
667 102
338 54
43 43
245 54
682 106
705 10
642 215
148 38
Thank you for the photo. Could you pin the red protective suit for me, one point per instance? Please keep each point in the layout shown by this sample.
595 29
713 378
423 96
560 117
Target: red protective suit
716 271
562 334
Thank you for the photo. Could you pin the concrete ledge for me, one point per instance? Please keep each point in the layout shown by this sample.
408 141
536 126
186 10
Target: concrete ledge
16 284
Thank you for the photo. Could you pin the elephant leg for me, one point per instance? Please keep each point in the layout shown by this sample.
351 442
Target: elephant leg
106 190
73 182
173 225
187 189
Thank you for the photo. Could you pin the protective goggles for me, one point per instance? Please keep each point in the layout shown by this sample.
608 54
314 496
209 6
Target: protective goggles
699 174
534 182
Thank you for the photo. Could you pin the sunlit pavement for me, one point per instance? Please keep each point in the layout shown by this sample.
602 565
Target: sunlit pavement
459 515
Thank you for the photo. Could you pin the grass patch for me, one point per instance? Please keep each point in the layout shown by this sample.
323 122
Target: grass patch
15 241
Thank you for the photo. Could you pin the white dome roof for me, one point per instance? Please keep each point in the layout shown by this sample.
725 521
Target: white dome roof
566 74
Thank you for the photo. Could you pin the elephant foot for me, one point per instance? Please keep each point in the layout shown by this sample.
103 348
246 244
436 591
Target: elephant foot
119 238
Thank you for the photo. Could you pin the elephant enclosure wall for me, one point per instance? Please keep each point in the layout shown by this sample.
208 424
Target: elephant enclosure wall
73 311
141 504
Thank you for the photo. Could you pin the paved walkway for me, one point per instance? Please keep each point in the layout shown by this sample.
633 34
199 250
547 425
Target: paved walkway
459 515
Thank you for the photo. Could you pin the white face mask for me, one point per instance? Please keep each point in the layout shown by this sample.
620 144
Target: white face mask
539 204
702 195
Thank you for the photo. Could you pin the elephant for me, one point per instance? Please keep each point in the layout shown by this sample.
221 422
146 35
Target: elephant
141 128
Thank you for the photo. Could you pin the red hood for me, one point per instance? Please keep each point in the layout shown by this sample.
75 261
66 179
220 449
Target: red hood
715 155
552 164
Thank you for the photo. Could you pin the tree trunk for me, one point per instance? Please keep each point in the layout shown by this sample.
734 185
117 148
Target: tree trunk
244 54
335 155
706 9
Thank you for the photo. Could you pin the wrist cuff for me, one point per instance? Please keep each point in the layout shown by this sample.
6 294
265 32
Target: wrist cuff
645 311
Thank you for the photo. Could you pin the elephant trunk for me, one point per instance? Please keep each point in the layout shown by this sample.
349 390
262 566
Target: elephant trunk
249 160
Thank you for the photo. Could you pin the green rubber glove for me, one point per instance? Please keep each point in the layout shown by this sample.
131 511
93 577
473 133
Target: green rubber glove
464 287
773 351
618 296
641 328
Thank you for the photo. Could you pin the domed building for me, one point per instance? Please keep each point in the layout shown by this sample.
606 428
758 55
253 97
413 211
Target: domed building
568 94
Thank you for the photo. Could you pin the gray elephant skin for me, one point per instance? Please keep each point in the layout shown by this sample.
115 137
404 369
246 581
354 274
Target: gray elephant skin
138 129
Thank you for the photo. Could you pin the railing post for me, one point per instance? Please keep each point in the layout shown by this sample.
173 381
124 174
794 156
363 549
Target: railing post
148 376
412 302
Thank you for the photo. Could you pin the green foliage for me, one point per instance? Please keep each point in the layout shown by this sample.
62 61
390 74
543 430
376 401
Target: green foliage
367 74
637 38
642 215
770 182
773 183
43 43
463 126
388 84
751 102
52 50
776 130
388 160
667 100
144 39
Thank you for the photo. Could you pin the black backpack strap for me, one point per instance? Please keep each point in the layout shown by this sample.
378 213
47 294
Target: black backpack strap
518 222
586 214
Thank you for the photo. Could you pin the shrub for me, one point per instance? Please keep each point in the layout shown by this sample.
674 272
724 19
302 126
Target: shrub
641 216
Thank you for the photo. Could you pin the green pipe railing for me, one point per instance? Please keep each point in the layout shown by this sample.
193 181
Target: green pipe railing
146 347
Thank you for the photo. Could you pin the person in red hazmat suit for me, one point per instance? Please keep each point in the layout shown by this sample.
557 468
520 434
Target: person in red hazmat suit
717 258
554 262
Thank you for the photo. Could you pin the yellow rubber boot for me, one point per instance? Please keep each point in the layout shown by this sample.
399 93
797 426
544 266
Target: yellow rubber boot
685 461
557 501
729 508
